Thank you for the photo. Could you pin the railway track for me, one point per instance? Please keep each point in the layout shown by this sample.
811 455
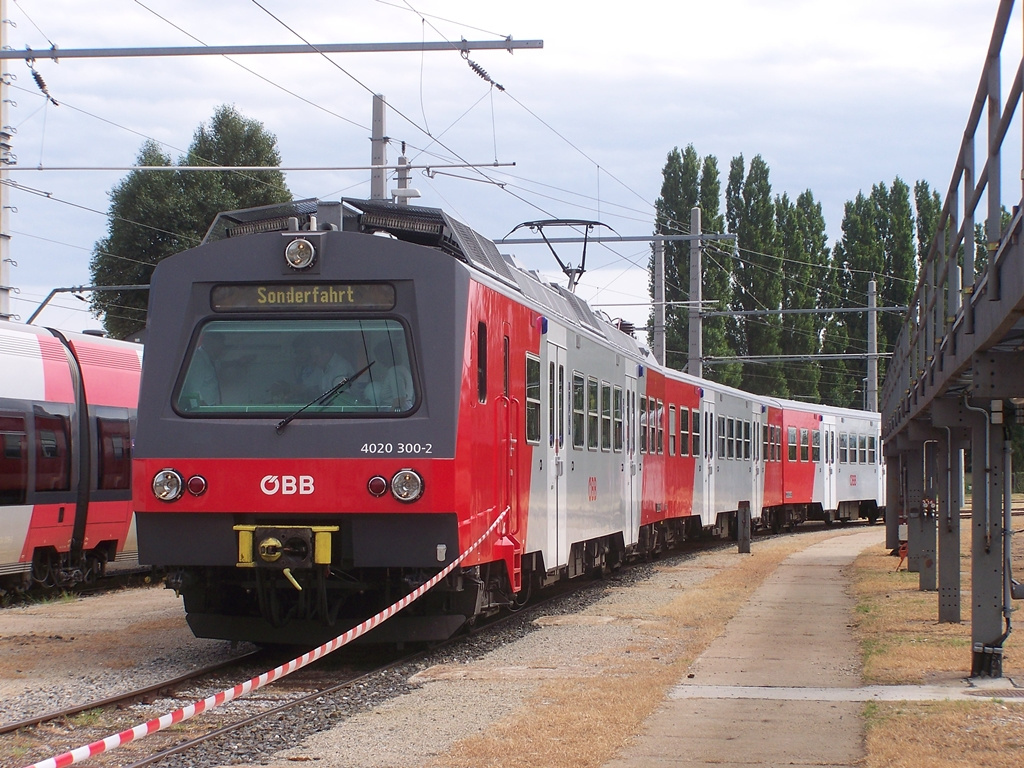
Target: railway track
325 681
123 698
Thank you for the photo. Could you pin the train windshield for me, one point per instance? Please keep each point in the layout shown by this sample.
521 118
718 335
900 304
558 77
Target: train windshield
274 367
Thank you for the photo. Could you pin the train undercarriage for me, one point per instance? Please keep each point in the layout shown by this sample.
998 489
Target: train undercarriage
51 569
310 606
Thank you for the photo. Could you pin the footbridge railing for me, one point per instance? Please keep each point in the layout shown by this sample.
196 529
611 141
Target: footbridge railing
958 366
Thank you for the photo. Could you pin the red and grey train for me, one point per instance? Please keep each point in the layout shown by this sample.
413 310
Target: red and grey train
340 398
67 419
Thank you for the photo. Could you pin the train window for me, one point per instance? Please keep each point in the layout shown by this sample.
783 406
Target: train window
579 418
643 424
53 459
660 424
842 448
791 442
560 417
616 419
551 403
816 446
533 398
730 438
652 425
114 452
696 432
606 416
684 431
593 422
871 449
671 430
862 441
805 444
746 440
721 437
14 459
629 426
709 435
272 367
481 362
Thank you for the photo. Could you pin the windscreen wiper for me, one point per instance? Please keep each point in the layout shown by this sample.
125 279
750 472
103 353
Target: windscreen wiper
326 397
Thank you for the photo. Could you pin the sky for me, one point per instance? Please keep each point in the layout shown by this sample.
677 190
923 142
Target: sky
835 96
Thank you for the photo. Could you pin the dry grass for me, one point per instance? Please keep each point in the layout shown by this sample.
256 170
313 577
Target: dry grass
902 640
944 735
585 722
903 643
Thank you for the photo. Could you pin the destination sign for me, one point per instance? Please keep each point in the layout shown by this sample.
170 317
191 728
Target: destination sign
302 297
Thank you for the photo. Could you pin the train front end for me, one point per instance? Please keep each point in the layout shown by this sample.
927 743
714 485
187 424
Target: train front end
294 467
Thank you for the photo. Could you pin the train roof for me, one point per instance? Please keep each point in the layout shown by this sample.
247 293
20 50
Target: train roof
430 227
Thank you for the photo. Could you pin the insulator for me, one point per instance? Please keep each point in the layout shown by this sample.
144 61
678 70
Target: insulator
479 70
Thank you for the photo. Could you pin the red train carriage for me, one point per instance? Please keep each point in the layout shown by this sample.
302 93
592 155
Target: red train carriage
349 395
67 411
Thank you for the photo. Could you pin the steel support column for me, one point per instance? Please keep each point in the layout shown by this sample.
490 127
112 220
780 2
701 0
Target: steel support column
987 543
913 480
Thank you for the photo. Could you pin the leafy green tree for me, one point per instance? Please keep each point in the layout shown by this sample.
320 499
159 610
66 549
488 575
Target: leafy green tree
231 139
142 231
717 276
679 194
928 207
801 229
154 214
859 257
759 281
688 181
898 280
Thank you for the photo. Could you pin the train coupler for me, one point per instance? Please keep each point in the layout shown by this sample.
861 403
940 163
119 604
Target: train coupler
284 547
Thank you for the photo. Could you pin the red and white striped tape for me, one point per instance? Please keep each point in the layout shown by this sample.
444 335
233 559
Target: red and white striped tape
211 702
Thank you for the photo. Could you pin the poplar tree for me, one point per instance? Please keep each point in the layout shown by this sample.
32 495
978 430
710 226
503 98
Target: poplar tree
154 214
759 281
801 229
899 274
679 194
928 206
688 181
717 277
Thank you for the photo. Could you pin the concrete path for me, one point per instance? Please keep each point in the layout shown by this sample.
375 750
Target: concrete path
793 638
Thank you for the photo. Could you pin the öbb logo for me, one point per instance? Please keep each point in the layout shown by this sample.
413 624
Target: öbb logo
287 485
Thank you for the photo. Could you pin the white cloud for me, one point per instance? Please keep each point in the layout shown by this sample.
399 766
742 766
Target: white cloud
835 96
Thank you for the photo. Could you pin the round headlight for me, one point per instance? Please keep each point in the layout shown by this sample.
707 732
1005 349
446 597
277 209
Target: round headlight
407 485
168 485
300 254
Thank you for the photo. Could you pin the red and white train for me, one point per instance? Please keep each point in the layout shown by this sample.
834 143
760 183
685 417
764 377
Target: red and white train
67 417
340 398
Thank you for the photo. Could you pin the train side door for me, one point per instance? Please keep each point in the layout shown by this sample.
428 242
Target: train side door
706 465
557 395
632 486
826 465
752 442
